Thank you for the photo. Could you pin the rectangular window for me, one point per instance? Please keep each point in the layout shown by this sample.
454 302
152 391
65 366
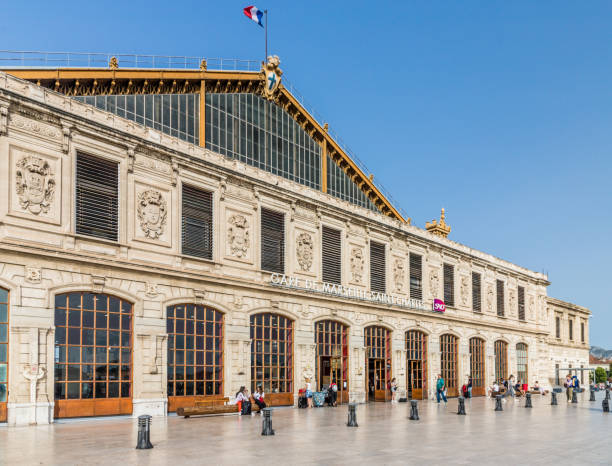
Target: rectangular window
476 292
571 329
272 241
521 303
331 255
97 197
196 222
582 332
378 267
558 327
449 285
500 298
416 276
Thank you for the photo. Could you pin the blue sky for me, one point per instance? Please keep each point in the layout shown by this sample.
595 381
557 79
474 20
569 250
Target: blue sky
498 111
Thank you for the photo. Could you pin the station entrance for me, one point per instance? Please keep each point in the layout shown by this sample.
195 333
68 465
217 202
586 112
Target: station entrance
416 365
377 341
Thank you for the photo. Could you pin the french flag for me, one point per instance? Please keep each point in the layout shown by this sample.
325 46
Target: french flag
254 13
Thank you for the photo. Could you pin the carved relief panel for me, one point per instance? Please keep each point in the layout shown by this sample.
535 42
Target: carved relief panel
305 250
357 264
35 185
238 235
434 282
399 275
152 216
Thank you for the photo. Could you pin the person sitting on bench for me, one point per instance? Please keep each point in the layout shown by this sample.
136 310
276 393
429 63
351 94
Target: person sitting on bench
242 400
258 396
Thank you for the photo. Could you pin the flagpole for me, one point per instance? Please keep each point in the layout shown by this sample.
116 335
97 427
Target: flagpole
266 57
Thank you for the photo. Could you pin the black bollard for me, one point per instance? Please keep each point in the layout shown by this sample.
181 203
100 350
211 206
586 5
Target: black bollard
414 411
461 406
498 403
592 398
553 400
144 432
605 404
352 415
574 397
267 422
607 393
528 400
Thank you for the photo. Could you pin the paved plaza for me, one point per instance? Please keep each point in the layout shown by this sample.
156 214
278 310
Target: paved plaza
563 434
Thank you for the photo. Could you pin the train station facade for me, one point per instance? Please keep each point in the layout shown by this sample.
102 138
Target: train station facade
171 235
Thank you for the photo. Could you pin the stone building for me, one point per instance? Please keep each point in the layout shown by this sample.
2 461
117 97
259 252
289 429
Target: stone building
168 236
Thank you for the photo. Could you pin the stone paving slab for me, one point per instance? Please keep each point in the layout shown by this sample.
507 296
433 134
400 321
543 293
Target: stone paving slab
563 434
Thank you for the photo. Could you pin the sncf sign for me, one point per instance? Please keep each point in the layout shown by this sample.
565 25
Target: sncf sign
439 306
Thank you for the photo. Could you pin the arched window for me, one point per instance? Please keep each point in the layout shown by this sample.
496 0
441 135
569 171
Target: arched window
501 360
331 338
4 339
272 356
448 362
93 355
377 341
522 372
477 366
195 353
416 359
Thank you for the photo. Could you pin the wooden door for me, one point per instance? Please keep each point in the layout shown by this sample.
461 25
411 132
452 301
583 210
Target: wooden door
416 354
416 381
477 366
4 339
380 381
331 338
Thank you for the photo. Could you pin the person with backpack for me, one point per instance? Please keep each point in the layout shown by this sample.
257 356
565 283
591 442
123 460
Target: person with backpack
332 394
393 387
440 388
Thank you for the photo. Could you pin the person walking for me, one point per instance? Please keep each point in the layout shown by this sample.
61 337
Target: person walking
569 388
332 394
440 387
510 387
469 387
393 387
308 392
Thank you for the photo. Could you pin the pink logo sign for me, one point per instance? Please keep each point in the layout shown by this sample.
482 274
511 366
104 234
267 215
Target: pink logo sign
439 305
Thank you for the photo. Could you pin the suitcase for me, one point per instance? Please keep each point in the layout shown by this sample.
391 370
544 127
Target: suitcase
318 399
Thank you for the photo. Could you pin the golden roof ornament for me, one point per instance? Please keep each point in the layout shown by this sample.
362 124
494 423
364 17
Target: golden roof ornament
113 64
203 65
272 75
440 229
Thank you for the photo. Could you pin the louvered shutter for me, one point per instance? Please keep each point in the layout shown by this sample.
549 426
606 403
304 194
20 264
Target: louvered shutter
500 298
197 223
476 292
449 285
272 241
97 195
331 252
521 303
558 327
378 267
416 276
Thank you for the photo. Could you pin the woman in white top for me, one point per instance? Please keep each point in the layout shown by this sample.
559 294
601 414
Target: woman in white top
308 393
259 396
243 402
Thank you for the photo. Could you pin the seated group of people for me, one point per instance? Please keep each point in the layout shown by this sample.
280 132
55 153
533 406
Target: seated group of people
243 400
510 388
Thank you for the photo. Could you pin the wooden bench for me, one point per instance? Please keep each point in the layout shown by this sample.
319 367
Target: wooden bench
215 406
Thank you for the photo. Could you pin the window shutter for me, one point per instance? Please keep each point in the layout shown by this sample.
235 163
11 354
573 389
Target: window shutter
521 303
558 327
476 297
378 267
500 298
571 329
97 195
272 241
449 285
416 276
197 219
582 332
331 255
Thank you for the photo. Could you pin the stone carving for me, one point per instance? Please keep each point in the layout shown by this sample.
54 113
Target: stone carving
512 301
33 274
490 298
398 275
464 289
434 282
531 307
35 127
33 373
238 235
151 290
357 264
304 249
152 212
35 184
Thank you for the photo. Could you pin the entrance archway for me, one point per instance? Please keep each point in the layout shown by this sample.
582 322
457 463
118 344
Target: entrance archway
4 343
416 364
501 360
272 357
477 366
195 354
448 363
93 355
331 338
377 342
